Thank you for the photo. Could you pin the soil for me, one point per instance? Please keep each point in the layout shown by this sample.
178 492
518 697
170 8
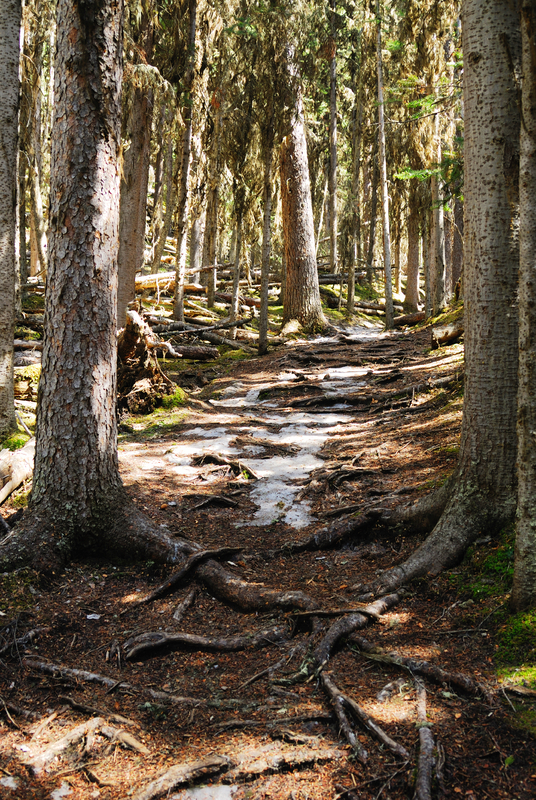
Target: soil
283 732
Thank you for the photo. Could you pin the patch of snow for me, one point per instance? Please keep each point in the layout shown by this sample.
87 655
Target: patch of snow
218 792
9 782
61 791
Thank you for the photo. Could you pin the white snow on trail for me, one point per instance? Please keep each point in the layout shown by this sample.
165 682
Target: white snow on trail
280 476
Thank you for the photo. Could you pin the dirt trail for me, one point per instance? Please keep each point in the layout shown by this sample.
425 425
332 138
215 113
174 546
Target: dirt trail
270 452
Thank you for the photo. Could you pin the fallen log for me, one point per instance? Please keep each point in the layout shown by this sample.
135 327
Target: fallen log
409 319
203 333
15 467
23 344
447 334
163 326
245 301
192 352
166 281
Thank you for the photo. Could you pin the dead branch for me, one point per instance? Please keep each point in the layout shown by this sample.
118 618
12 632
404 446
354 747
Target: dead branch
21 642
344 724
125 738
203 333
85 709
150 645
160 326
180 774
423 785
395 748
42 759
185 604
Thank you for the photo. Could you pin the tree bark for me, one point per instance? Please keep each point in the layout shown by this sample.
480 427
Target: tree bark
302 295
411 301
524 589
389 314
78 503
133 202
483 488
438 240
135 177
333 260
266 242
10 21
183 201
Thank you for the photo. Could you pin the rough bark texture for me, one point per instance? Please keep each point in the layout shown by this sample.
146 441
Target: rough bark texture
134 199
10 18
411 301
333 259
302 295
483 494
77 495
384 187
524 590
266 246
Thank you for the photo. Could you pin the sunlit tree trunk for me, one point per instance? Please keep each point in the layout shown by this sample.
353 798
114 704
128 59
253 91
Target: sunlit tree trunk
134 181
482 491
10 22
266 241
302 294
333 258
524 589
384 186
373 213
183 198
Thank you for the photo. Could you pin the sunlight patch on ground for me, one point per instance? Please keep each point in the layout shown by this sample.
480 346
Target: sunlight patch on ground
217 792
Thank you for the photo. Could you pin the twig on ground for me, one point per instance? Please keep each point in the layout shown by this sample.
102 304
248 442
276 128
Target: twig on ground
423 784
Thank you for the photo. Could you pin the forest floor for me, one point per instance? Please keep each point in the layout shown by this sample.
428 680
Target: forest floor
297 461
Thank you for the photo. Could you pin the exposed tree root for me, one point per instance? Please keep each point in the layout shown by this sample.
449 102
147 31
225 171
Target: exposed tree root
423 785
337 701
150 645
180 774
435 673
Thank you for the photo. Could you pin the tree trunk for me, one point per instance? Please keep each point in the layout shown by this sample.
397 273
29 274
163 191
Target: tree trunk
482 492
133 203
373 213
389 314
266 246
169 180
524 589
183 201
333 260
355 200
197 237
411 302
457 243
439 298
78 503
302 295
10 21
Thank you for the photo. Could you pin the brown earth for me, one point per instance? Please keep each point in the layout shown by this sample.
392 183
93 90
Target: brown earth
394 449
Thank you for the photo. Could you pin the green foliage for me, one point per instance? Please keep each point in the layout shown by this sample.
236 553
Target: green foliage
15 441
490 572
178 398
33 302
16 591
517 640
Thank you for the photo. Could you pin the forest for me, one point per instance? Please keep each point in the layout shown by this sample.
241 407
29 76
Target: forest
267 388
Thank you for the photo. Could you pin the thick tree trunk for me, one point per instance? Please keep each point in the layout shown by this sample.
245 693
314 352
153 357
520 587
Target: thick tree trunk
302 294
10 20
197 237
78 503
411 302
483 488
524 589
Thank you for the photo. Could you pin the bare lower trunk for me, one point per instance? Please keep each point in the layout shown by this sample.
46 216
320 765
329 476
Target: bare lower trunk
524 589
134 199
483 490
197 237
389 315
334 265
266 249
10 20
411 302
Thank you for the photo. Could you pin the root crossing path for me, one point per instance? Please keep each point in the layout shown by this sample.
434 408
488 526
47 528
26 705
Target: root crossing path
255 668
